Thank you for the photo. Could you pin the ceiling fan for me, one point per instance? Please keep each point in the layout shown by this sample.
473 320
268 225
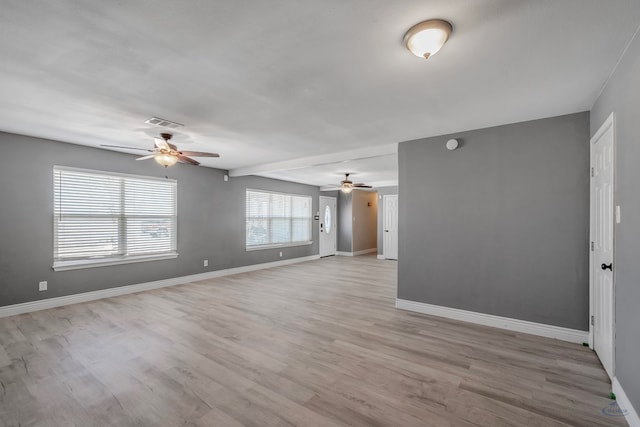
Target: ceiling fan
167 154
346 185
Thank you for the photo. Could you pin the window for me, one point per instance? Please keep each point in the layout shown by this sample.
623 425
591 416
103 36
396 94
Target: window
107 218
275 219
327 219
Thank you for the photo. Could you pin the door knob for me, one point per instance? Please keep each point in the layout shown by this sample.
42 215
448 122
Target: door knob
607 267
386 231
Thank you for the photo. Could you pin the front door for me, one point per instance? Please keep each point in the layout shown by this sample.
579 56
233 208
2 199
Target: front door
601 260
390 224
327 226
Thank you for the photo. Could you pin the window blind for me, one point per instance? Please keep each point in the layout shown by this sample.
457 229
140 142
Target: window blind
274 219
99 215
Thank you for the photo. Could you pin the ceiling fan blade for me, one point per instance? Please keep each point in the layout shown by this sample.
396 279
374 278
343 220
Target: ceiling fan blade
146 157
362 186
128 148
185 159
161 144
199 154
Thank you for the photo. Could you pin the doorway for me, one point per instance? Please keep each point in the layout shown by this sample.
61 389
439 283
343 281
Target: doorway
328 229
601 259
390 226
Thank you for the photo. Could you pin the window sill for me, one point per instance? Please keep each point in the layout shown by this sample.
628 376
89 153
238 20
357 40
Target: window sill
279 245
103 262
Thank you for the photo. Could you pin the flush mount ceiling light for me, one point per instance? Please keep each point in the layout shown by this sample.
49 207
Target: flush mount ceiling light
426 38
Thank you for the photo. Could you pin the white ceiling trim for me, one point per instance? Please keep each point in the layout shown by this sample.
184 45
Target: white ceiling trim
319 160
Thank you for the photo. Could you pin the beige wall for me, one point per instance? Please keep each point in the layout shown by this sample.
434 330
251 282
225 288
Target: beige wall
365 220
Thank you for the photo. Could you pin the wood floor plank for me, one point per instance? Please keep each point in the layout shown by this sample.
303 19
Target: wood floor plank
313 344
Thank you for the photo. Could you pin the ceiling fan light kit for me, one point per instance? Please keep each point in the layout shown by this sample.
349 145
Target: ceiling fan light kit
165 160
347 186
426 38
167 154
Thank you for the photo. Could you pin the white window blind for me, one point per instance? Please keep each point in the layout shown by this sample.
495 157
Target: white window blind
275 219
101 216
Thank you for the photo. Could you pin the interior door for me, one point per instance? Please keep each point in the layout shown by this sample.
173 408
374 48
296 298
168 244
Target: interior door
601 260
328 229
390 223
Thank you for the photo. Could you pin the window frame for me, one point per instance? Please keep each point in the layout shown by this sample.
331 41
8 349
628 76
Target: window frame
249 248
101 261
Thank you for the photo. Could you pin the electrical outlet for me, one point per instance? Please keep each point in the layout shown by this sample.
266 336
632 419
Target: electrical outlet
42 286
281 253
206 263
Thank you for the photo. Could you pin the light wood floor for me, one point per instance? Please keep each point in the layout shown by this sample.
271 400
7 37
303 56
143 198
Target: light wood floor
312 344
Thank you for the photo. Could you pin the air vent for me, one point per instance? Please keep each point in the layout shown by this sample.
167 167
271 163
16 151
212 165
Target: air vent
164 123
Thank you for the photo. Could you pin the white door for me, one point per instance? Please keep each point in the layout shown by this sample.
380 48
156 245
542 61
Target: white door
328 226
390 227
601 259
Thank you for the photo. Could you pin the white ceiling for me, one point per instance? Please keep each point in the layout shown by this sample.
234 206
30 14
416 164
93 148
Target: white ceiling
266 82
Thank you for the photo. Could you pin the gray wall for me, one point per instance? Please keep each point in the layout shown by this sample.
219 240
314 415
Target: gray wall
621 96
365 228
345 222
383 191
501 225
211 220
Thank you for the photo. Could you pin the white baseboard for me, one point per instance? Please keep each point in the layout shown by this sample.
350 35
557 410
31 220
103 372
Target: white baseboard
27 307
365 251
625 404
540 329
356 253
